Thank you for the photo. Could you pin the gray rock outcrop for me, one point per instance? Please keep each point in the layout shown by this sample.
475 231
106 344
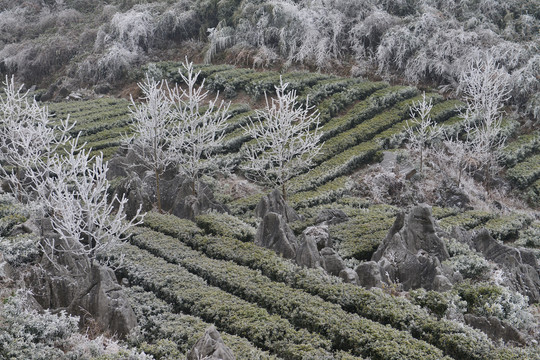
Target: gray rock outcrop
411 253
210 347
274 233
81 287
320 236
520 266
496 329
369 274
274 202
308 254
331 217
332 262
348 276
179 195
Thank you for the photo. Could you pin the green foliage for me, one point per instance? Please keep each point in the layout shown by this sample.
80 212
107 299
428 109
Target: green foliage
521 148
190 293
435 302
530 236
525 172
468 219
168 335
533 194
225 225
506 228
485 299
361 235
302 309
471 265
454 339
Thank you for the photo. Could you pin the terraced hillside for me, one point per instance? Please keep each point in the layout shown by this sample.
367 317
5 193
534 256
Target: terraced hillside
185 275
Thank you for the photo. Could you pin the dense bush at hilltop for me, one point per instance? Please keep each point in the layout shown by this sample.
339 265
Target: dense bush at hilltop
76 44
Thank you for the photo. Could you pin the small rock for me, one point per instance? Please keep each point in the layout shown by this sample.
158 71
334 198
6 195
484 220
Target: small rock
332 262
441 283
210 347
349 276
369 274
307 254
320 235
331 217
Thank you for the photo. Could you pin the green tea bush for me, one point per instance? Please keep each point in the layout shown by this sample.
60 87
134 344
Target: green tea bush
190 293
454 339
525 172
226 225
521 148
471 266
486 299
168 335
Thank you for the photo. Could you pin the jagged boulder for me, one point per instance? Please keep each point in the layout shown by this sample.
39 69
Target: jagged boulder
179 195
82 287
369 274
320 236
274 233
331 217
412 252
274 202
308 254
348 276
520 266
210 347
496 329
332 262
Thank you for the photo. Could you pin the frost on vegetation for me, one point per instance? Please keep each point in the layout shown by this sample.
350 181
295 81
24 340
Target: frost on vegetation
28 334
179 127
421 130
199 128
81 212
499 301
28 138
286 139
20 249
45 167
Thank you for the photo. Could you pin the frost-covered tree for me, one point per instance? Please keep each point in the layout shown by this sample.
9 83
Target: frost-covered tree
152 122
76 199
421 130
27 138
287 139
198 129
485 86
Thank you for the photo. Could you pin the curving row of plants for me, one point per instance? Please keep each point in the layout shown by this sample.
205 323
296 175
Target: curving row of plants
189 293
166 334
346 331
454 339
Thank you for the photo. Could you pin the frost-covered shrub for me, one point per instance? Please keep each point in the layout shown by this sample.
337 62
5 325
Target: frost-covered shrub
491 300
471 266
28 334
20 249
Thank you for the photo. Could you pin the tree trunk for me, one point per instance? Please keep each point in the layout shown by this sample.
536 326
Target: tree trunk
158 191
